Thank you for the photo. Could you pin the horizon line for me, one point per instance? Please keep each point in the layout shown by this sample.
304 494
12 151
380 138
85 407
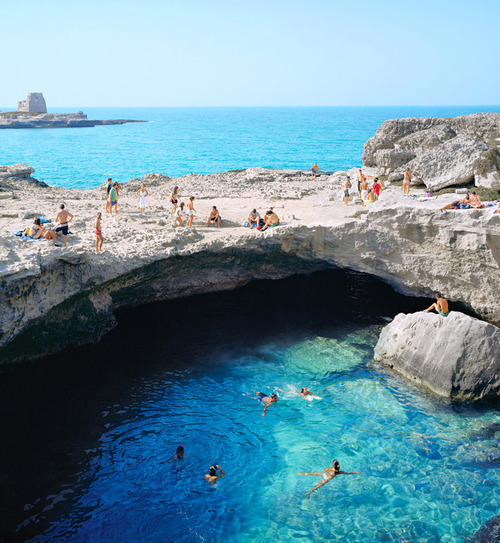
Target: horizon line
271 106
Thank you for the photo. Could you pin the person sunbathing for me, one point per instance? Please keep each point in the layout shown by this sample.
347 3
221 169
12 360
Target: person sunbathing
475 200
253 218
441 306
270 220
457 204
328 474
37 231
214 217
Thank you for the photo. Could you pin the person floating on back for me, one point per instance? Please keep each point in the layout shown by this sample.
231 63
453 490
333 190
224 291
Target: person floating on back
212 476
214 217
314 170
63 218
266 400
441 306
98 233
327 475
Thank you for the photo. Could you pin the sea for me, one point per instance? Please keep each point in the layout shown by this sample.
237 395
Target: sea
179 141
88 435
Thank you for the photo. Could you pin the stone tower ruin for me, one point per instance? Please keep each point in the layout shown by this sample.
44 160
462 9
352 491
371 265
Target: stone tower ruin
35 103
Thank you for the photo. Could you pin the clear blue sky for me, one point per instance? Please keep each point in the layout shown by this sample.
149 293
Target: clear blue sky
250 53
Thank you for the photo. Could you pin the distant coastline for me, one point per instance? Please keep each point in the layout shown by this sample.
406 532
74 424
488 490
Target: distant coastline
27 119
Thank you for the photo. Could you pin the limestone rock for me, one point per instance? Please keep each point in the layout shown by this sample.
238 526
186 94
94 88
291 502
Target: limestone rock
16 170
487 170
372 146
452 163
457 356
388 160
34 103
489 533
425 140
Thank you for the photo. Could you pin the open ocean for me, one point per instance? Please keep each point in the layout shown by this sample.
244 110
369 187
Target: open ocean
179 141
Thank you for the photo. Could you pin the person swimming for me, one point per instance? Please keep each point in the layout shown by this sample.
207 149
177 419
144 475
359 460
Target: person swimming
307 395
179 453
328 474
266 400
212 476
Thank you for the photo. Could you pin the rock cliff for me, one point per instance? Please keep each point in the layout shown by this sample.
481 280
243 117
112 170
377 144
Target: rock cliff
457 357
439 151
410 245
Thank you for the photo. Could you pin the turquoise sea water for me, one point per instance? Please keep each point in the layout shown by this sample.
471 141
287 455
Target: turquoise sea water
89 434
179 141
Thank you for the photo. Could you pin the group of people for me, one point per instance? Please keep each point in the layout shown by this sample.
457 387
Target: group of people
215 472
470 200
270 220
63 218
367 194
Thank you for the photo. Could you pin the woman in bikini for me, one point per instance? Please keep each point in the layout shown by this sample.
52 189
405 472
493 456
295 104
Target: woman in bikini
37 231
407 177
328 474
190 211
178 213
98 232
174 199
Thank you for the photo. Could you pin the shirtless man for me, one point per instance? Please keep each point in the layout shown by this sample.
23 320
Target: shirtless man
328 474
212 476
363 190
98 233
347 186
361 178
441 306
407 177
214 216
270 220
457 203
190 211
315 170
266 400
63 218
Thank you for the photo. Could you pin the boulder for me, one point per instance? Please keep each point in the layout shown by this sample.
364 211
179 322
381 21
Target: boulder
372 146
425 140
16 170
487 170
489 533
452 163
388 160
457 357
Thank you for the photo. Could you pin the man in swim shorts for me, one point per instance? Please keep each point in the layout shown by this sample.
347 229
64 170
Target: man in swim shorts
214 217
266 400
63 218
441 306
328 474
212 476
315 170
360 179
347 186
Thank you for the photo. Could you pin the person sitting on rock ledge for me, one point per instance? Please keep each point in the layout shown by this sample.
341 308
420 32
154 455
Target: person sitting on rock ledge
315 170
270 220
214 217
441 306
37 231
253 219
475 200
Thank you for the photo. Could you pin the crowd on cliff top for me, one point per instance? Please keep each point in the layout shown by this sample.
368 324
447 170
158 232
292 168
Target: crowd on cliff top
366 194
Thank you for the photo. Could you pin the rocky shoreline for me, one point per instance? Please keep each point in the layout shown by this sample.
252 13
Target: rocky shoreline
55 120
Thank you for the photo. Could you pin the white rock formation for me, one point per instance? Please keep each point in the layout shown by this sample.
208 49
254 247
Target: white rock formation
457 356
410 245
34 103
439 151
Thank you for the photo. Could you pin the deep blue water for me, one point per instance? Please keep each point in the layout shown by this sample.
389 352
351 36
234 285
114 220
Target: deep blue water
87 436
179 141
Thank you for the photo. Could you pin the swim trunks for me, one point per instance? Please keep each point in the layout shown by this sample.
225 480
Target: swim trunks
346 193
98 233
63 230
114 203
444 314
262 396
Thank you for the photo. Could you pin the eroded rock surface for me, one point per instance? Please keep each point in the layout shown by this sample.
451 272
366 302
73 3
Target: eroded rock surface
439 151
457 357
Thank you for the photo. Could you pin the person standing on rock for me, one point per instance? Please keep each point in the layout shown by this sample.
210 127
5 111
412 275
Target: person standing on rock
364 190
190 211
113 199
376 187
361 178
142 199
407 177
98 232
441 306
347 186
178 213
109 186
174 199
315 170
63 218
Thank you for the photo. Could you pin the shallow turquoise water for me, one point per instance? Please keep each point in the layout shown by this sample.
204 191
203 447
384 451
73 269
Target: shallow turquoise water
90 436
179 141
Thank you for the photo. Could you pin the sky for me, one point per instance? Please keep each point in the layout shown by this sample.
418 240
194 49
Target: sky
250 52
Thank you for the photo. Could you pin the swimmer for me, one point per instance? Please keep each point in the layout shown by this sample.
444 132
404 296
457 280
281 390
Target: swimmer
212 476
308 395
266 400
328 474
179 453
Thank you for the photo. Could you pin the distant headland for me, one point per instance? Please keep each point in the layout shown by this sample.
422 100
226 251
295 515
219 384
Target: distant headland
32 113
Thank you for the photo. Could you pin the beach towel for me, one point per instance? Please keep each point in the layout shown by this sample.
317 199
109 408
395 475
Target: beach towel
23 237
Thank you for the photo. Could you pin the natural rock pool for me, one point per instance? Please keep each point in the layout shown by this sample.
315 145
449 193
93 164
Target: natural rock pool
87 435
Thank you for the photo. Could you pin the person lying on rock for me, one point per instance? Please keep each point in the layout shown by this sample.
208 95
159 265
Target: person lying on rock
328 474
458 204
214 217
475 200
441 306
